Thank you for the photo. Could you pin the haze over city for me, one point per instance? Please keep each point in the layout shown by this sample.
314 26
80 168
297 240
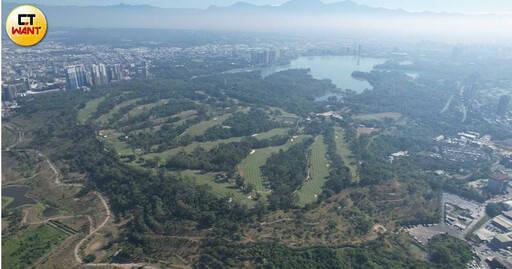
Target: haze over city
300 134
311 17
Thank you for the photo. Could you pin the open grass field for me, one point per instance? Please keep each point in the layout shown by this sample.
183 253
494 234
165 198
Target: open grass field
111 140
91 106
200 128
284 113
277 131
105 117
378 116
221 189
21 251
346 154
208 145
366 130
189 148
185 115
319 170
249 168
7 138
158 122
139 109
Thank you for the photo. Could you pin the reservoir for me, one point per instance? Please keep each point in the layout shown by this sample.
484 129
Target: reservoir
18 193
336 68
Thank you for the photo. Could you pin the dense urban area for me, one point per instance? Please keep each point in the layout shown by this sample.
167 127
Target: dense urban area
219 152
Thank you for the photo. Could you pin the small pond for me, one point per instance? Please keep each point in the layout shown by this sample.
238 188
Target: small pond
18 194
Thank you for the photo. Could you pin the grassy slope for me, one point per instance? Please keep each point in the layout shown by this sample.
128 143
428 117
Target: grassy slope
220 189
346 154
249 168
105 117
189 148
142 108
7 138
277 131
319 170
90 107
111 140
23 250
159 122
200 128
210 144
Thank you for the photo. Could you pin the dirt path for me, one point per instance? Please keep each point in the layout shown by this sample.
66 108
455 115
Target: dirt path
77 247
15 129
92 231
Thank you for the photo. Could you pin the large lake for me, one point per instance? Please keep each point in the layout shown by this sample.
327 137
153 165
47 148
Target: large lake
336 68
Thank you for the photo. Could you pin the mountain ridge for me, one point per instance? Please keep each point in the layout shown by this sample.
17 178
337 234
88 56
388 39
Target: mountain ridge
291 5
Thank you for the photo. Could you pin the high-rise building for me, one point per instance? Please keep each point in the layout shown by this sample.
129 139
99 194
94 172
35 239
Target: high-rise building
503 106
75 77
274 56
88 78
255 57
9 92
26 84
146 69
359 49
96 78
117 72
264 57
103 74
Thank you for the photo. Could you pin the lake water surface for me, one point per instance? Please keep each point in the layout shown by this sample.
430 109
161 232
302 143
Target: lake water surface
336 68
18 193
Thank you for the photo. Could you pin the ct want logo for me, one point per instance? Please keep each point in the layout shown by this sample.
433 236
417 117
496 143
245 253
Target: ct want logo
26 25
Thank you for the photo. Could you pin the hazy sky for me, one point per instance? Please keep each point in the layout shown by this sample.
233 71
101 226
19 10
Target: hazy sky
414 5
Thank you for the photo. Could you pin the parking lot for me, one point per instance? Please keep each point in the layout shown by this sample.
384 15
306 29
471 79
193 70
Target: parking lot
423 233
456 227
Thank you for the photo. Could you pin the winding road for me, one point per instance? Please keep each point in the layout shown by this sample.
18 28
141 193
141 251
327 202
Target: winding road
58 182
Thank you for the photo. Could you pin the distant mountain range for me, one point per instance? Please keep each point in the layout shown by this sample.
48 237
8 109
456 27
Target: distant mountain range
292 16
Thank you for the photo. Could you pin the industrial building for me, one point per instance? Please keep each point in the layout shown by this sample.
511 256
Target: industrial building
497 183
502 241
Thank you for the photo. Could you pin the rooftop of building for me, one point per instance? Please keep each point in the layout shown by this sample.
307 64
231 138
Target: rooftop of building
503 238
500 176
503 222
508 214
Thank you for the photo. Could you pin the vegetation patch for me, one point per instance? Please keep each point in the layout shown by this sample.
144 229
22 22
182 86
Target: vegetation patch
8 137
250 167
346 154
318 172
200 128
107 116
286 172
219 186
88 109
378 116
21 251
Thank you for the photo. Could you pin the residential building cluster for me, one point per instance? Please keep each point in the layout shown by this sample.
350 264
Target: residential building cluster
265 57
78 76
468 147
